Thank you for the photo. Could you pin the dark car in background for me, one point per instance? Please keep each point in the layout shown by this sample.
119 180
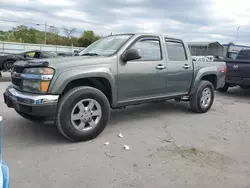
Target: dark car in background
74 53
238 71
7 59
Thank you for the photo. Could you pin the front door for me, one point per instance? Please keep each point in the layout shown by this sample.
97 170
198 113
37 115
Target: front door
180 68
145 77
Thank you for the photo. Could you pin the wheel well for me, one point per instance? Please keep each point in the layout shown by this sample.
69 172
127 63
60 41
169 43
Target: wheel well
9 60
101 84
211 78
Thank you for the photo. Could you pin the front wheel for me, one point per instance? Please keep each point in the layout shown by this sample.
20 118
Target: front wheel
83 113
202 100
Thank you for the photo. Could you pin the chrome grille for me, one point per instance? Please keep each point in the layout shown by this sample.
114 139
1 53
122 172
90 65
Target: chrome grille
18 69
16 81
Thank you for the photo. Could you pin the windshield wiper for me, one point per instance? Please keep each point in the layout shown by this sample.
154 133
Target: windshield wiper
90 54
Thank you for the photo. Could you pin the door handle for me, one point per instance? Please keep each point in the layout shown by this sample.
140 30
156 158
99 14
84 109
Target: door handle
160 67
186 66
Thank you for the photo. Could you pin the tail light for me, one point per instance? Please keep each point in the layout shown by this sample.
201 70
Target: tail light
223 69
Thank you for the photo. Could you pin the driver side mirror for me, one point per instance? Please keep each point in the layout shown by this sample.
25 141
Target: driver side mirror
131 54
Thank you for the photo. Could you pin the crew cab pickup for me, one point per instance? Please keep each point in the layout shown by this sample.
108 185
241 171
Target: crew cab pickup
238 72
113 72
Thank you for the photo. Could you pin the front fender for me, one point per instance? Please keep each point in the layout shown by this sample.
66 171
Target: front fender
63 79
201 73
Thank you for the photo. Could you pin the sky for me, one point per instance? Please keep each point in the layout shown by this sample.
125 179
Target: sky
191 20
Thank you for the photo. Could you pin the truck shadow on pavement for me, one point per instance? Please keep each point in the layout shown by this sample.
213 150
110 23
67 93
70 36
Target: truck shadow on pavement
47 133
237 93
148 111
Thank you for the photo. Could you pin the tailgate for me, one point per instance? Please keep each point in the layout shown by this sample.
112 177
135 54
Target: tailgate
238 68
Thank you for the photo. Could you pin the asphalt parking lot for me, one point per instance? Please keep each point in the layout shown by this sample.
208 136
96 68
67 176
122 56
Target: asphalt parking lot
169 147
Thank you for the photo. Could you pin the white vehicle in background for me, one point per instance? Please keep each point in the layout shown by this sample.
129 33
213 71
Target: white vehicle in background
202 58
210 58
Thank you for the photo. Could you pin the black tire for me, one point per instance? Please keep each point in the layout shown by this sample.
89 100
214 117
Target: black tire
35 119
8 64
195 99
224 88
66 105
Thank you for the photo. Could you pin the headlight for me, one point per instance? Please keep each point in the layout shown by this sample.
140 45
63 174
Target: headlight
39 71
37 80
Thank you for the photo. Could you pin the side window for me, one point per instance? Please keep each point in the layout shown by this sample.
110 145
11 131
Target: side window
37 55
30 54
176 51
150 49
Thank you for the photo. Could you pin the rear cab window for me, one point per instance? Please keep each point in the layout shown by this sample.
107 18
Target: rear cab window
244 55
176 50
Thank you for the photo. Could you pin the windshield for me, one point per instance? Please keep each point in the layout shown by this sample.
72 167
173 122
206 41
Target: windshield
106 46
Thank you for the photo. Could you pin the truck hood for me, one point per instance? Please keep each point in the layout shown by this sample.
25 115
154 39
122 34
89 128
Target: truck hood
65 62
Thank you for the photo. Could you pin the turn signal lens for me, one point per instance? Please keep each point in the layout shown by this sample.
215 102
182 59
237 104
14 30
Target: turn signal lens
45 86
48 71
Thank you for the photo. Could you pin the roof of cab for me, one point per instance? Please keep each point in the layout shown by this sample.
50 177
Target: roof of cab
150 34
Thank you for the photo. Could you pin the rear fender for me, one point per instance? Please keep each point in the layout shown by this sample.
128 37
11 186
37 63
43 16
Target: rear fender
200 74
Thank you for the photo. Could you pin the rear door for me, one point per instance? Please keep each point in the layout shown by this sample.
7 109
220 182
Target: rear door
180 68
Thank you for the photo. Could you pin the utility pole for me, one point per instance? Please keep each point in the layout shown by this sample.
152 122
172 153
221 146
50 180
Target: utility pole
237 34
45 35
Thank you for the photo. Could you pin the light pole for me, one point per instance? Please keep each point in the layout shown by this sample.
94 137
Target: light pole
45 31
237 33
45 35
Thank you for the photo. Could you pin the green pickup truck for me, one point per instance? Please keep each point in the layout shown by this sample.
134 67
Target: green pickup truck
79 92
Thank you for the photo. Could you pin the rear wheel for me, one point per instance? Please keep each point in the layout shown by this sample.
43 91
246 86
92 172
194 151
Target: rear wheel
8 64
83 113
202 100
224 88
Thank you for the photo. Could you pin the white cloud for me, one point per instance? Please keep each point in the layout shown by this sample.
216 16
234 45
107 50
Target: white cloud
73 14
217 36
190 20
233 12
15 1
127 11
10 14
57 2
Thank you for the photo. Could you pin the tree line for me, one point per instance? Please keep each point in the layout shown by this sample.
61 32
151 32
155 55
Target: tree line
26 34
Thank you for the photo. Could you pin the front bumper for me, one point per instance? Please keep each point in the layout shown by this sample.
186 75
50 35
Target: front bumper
32 104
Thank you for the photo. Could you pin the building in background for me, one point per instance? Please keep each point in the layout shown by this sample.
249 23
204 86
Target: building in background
212 48
231 50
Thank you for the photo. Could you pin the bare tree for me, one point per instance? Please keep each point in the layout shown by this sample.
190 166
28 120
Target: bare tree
53 30
69 32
